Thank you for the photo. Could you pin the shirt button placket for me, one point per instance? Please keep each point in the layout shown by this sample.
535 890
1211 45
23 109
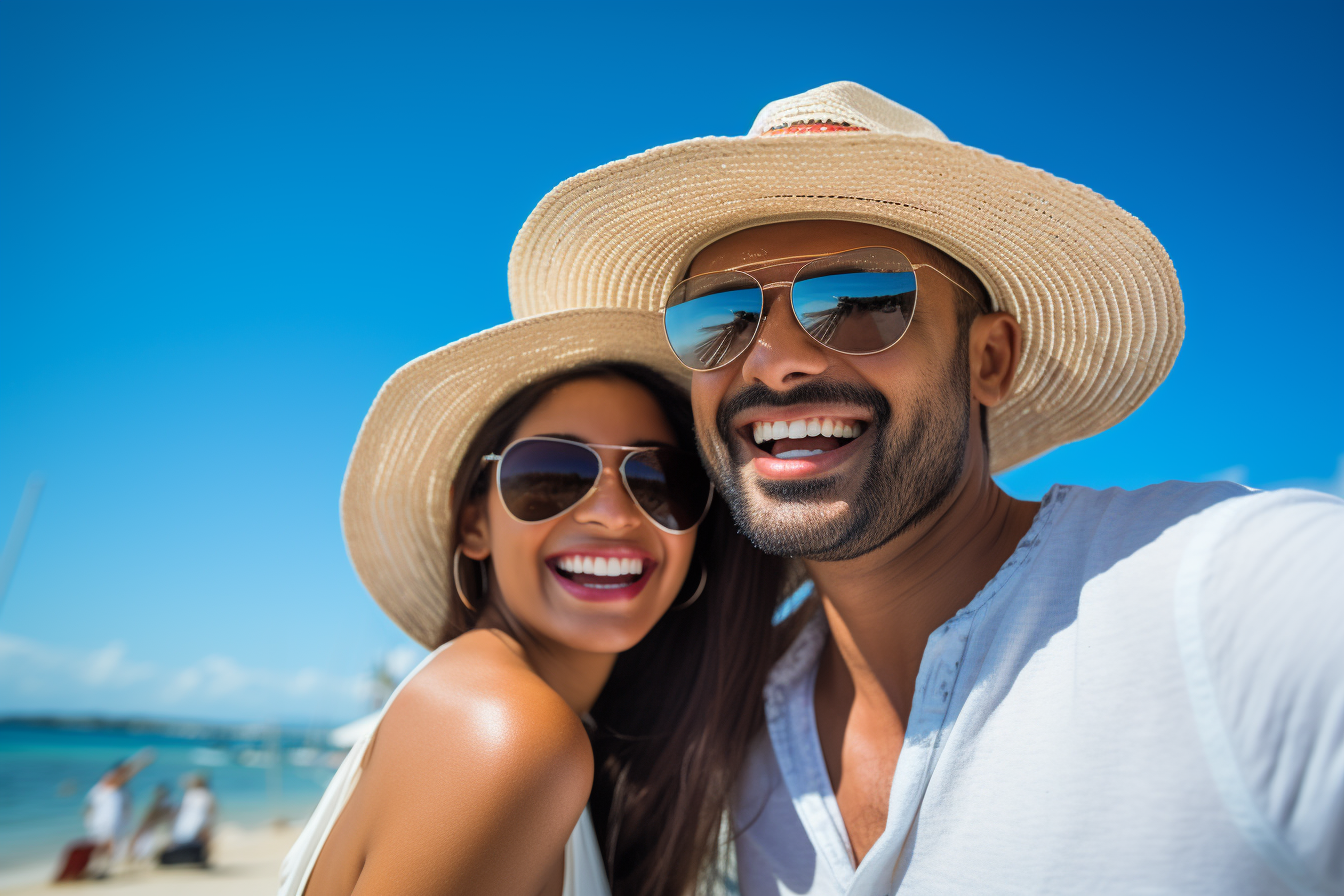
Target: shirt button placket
942 662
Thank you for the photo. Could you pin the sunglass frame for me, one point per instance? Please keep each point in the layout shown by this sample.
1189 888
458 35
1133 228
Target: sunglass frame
630 451
790 283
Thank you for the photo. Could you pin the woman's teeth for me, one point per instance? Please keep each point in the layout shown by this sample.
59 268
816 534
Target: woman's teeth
802 429
600 566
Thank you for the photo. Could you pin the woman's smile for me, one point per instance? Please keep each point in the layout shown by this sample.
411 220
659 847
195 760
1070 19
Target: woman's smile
602 573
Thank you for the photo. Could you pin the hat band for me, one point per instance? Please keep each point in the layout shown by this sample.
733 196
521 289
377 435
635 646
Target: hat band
811 126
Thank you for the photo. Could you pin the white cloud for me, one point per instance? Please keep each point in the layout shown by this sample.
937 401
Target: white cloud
1238 473
30 663
1333 486
1241 474
306 681
37 677
216 676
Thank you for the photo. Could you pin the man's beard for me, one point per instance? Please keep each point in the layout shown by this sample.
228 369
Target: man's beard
912 468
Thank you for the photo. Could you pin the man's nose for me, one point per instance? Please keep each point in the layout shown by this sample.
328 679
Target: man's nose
783 353
610 505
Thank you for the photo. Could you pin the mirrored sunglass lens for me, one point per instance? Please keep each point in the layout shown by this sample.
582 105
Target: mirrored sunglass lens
712 318
540 479
670 485
863 311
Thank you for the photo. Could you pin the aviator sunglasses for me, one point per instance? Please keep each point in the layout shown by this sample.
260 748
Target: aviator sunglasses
857 302
541 477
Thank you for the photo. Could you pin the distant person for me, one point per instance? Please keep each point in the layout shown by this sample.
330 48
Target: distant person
160 812
107 822
528 503
107 811
193 825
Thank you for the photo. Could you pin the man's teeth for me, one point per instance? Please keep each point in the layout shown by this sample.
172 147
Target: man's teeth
798 452
601 566
801 429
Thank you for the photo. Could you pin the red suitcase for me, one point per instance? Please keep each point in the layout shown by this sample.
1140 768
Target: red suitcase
75 860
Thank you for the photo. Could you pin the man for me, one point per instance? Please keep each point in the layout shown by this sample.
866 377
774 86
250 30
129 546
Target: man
196 815
1103 692
192 825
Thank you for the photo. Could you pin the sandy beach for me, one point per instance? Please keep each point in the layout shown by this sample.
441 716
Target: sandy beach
244 862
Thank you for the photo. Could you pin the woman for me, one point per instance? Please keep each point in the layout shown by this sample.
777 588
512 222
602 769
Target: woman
605 631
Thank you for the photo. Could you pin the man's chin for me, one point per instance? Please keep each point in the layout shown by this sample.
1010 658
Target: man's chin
794 518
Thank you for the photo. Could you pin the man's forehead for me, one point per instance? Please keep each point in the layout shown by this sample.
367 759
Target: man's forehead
789 238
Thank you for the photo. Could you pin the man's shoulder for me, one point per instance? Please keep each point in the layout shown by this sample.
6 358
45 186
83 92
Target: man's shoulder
1205 504
1165 501
1095 527
1284 544
1157 528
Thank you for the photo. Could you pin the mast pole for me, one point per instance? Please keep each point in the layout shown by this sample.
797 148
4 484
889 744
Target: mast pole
18 531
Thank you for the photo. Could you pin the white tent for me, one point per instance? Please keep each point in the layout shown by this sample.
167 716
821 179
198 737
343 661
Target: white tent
344 737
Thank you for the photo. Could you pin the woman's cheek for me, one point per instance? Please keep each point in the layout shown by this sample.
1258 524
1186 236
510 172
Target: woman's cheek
516 550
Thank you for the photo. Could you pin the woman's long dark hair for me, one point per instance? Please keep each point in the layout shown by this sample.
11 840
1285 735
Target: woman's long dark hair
673 723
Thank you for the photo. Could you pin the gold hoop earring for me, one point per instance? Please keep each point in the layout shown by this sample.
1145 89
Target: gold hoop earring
700 589
457 581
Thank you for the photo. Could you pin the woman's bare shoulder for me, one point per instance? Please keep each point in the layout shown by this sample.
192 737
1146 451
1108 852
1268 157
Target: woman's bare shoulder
479 702
473 782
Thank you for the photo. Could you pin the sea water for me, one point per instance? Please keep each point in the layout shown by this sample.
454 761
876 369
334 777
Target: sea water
46 771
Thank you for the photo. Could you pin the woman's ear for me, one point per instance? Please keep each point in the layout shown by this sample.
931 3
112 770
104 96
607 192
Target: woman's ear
995 349
473 530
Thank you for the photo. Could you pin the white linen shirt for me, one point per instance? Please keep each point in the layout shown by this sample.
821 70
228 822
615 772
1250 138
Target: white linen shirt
107 813
198 803
1147 698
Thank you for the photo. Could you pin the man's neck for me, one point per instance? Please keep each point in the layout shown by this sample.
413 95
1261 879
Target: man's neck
883 606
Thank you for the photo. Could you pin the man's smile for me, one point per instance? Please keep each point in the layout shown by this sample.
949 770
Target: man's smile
800 441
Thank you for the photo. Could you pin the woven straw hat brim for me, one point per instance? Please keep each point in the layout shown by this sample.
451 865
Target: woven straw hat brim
395 509
1094 291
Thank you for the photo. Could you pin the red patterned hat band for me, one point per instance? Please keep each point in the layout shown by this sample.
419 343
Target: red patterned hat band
811 126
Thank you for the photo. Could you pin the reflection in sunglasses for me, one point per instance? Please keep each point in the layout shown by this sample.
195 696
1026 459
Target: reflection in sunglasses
858 302
713 350
822 325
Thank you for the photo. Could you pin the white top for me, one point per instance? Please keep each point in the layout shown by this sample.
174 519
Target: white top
584 871
1147 698
193 815
107 813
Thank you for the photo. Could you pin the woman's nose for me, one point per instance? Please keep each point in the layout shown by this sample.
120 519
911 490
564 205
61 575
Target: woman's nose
610 505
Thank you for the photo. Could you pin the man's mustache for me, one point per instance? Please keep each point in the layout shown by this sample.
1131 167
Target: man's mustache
757 395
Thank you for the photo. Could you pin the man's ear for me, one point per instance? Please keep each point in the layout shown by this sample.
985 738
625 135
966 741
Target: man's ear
473 530
995 350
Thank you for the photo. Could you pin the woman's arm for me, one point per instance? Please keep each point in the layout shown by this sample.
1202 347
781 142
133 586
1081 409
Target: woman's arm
473 784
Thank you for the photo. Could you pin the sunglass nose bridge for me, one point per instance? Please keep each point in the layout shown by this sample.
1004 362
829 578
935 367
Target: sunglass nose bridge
658 492
609 502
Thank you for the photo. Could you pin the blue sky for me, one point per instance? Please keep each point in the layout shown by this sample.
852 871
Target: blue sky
224 224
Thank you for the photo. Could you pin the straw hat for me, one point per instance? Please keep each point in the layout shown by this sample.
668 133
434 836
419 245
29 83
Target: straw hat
1093 289
395 506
